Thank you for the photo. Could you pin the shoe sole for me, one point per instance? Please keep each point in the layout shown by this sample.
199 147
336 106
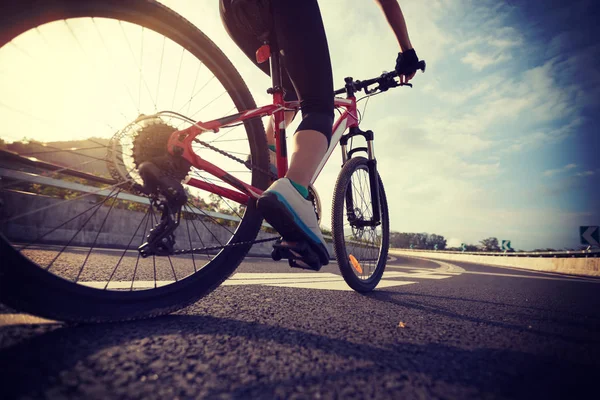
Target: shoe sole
280 218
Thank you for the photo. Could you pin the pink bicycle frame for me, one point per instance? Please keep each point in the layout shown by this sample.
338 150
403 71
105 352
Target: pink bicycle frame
181 141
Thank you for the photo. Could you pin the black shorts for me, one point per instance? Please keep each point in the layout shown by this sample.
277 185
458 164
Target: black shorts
298 29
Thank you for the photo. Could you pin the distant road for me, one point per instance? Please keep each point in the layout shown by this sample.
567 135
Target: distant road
432 330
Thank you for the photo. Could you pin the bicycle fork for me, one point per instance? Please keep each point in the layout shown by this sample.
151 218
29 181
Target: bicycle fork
359 221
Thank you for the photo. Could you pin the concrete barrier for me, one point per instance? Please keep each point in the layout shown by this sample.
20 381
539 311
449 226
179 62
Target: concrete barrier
575 266
48 225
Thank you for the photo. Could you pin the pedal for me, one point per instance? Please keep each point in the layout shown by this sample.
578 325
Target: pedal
299 255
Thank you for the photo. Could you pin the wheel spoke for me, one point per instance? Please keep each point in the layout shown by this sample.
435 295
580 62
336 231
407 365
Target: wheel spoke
76 108
153 256
198 233
187 225
79 230
177 80
162 55
189 102
139 254
191 206
125 251
363 242
97 234
110 56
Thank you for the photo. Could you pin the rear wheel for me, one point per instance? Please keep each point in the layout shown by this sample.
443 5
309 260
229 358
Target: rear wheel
361 250
96 86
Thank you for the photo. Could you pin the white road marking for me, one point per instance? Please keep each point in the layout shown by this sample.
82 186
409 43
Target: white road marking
418 274
23 319
306 280
126 284
302 280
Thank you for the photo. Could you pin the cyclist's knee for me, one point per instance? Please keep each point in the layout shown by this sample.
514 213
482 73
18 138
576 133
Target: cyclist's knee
318 121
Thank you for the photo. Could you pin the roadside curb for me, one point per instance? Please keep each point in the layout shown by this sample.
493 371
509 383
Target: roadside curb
571 266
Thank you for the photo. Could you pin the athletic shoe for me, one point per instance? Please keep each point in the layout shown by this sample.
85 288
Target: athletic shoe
293 216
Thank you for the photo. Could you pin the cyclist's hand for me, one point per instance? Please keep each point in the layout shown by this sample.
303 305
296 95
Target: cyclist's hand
407 64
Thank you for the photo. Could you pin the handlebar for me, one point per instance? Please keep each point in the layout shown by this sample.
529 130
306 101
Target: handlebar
386 81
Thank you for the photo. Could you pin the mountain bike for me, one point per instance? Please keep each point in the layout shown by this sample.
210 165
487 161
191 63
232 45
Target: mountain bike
168 213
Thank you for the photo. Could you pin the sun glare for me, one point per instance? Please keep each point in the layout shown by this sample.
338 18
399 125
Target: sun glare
90 77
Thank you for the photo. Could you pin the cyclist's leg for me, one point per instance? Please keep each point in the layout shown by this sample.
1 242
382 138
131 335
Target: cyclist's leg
249 43
301 36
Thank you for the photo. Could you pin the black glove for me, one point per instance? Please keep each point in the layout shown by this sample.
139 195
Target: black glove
407 63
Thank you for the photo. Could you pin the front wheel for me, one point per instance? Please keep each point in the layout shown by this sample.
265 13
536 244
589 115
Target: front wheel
360 248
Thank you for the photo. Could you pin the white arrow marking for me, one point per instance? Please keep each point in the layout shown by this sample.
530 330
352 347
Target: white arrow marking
587 235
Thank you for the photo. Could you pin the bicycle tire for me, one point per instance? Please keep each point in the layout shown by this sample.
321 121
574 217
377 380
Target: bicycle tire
339 238
25 286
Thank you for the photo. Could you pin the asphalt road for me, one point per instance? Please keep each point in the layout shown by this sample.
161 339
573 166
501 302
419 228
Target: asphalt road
454 332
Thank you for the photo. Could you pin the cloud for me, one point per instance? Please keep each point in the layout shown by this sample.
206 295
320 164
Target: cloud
552 172
585 173
514 112
480 61
547 135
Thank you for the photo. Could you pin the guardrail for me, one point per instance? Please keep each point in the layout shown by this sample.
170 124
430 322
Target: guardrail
582 263
78 187
34 162
546 254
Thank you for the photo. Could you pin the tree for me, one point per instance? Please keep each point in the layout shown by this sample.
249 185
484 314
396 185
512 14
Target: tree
434 239
403 240
490 244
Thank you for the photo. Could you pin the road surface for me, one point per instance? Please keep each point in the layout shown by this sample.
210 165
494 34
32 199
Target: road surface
431 330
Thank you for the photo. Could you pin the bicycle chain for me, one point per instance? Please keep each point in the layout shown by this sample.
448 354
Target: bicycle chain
251 167
247 164
234 158
205 249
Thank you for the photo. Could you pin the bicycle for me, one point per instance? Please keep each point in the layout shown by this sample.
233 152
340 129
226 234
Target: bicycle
153 165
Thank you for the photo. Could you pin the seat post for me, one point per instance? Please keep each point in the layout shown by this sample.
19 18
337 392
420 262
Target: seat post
279 116
275 65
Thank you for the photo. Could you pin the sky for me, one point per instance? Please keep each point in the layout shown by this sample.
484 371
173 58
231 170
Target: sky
496 139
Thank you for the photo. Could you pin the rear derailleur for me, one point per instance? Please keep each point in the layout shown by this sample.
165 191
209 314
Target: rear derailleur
167 197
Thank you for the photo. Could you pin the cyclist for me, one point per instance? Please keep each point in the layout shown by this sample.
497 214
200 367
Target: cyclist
297 27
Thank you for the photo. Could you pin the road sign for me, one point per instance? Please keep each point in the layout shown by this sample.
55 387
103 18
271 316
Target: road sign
412 246
435 246
590 235
506 245
463 246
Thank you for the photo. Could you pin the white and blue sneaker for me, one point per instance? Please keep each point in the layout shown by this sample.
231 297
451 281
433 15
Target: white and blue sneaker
293 216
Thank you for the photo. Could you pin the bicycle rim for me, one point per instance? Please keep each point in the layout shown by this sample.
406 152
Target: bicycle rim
76 75
361 251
